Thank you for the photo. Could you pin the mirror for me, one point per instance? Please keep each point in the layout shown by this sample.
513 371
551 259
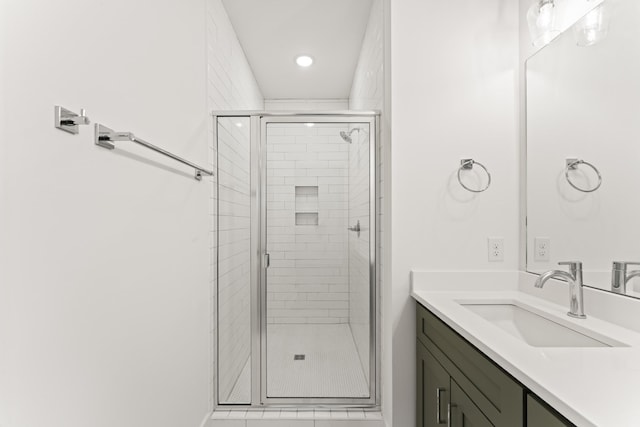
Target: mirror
583 104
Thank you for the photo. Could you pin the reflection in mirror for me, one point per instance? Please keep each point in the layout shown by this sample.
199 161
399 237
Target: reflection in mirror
583 129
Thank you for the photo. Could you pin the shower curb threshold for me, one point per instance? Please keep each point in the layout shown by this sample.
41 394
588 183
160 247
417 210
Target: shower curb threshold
306 417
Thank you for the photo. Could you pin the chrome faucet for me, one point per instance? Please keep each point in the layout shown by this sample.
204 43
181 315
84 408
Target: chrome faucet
620 276
574 277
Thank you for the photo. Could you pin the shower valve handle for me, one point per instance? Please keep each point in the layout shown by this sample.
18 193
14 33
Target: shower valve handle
355 228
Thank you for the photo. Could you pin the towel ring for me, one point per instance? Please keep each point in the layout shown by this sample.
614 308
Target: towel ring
467 164
572 164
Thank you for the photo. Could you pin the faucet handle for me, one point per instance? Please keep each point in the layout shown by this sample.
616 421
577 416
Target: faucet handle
575 268
572 264
620 264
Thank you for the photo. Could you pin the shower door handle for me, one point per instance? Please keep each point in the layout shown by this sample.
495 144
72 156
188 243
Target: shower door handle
267 260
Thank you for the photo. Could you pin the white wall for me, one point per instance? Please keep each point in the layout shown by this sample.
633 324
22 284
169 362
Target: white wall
106 256
306 104
454 79
367 88
231 86
105 272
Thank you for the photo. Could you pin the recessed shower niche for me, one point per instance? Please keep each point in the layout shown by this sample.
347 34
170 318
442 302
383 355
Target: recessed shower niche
306 204
290 196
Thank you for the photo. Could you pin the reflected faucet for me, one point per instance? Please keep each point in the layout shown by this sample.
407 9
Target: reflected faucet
576 300
620 276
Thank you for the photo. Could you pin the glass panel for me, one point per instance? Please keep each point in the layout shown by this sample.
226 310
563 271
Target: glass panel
233 275
318 292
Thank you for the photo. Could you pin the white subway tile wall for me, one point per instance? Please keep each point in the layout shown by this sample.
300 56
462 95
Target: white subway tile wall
367 93
307 173
231 86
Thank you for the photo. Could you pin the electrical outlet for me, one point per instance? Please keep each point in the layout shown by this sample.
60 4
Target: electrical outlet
496 249
542 249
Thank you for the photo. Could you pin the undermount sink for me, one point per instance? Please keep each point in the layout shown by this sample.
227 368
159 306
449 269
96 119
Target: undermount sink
535 329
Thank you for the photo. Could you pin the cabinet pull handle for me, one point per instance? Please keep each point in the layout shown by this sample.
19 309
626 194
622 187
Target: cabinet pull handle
450 408
439 391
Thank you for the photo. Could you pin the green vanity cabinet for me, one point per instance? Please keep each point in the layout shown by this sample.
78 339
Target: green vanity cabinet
433 390
463 412
459 386
539 415
437 392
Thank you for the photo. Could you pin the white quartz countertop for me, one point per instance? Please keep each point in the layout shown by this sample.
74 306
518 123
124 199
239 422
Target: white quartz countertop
595 386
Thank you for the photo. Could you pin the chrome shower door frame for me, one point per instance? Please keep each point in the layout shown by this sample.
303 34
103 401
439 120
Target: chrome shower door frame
372 119
258 230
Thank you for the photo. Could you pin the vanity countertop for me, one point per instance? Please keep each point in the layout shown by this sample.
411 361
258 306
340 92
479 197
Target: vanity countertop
597 386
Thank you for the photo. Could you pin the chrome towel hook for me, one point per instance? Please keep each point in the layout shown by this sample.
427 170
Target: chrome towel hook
572 164
467 164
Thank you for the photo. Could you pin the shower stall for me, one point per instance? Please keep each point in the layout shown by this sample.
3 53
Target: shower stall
296 270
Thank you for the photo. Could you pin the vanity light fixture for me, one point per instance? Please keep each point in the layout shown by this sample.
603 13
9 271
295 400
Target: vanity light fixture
304 61
541 18
594 26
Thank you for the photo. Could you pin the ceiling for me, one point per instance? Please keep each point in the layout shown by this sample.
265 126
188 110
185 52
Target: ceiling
273 32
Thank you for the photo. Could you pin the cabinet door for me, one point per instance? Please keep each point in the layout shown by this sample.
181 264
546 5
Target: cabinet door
499 397
463 412
433 390
539 416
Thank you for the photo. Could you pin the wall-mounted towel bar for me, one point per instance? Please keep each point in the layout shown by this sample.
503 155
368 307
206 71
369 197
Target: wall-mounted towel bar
106 137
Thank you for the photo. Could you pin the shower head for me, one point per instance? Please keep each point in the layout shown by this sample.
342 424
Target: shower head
347 135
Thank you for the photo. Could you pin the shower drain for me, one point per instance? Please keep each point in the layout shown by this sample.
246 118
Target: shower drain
298 357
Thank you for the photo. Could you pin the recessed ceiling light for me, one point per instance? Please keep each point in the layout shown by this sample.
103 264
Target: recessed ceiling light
304 60
309 125
239 124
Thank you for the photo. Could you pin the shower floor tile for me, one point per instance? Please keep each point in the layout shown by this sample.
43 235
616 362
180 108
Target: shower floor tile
331 366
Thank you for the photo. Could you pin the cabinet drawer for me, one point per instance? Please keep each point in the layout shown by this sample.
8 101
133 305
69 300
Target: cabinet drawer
495 393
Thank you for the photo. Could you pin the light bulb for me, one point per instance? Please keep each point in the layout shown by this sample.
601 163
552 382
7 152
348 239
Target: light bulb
541 19
593 18
593 27
546 15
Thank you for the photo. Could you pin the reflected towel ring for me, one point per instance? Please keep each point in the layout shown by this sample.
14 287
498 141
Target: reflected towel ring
467 164
572 164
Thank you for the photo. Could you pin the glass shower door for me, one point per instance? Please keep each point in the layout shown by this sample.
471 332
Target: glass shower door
317 291
233 259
